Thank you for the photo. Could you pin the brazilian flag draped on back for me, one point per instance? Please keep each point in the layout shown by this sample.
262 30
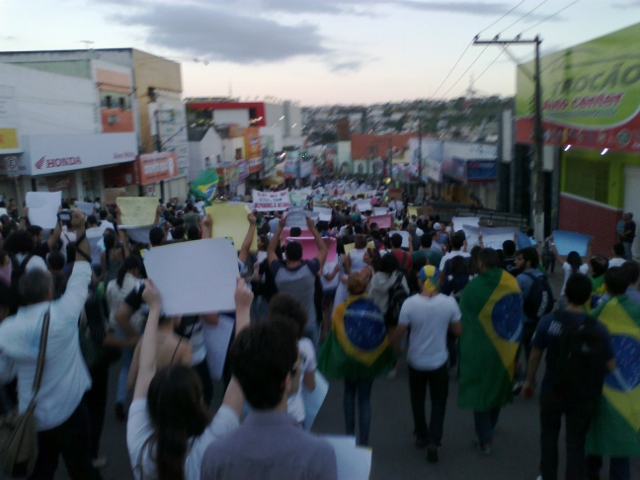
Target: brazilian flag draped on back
205 184
357 346
615 428
491 306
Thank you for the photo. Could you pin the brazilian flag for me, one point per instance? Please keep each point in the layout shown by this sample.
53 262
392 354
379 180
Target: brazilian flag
357 347
491 306
615 428
205 184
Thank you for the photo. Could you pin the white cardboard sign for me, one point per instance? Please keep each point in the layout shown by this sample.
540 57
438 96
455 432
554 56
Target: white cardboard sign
43 208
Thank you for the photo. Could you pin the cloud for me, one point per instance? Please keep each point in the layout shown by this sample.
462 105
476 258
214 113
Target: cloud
627 4
345 67
217 34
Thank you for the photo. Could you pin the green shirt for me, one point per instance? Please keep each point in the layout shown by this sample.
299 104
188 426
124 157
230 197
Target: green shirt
432 256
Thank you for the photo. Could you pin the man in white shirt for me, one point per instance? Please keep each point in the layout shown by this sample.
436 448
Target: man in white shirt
62 421
618 256
457 243
430 314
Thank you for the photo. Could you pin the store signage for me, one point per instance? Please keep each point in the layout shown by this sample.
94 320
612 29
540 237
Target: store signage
155 167
52 154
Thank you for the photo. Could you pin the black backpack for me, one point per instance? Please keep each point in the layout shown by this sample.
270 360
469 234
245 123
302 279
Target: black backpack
540 300
396 297
580 366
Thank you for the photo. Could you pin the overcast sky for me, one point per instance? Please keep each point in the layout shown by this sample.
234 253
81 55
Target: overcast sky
319 52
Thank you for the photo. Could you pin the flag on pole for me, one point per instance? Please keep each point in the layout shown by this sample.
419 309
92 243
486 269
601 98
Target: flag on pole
615 428
205 184
491 306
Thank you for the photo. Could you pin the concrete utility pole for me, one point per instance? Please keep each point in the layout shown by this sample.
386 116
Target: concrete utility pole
537 170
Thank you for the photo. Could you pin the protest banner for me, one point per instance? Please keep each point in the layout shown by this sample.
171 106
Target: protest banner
230 221
111 194
353 462
298 218
404 235
325 214
137 211
383 221
397 205
310 249
314 400
425 211
567 242
137 234
286 233
216 342
207 272
86 207
271 201
43 208
459 222
380 211
524 241
412 211
364 205
471 235
494 237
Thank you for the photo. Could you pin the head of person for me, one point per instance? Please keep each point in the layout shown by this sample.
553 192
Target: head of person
618 250
509 248
36 233
92 221
372 258
617 281
36 286
285 305
389 263
396 240
103 214
575 261
487 258
178 232
110 239
293 251
357 283
193 232
457 241
263 243
295 232
19 241
373 227
263 358
132 265
426 240
360 242
629 216
473 260
632 270
156 236
428 279
175 403
459 266
527 258
599 265
578 289
55 261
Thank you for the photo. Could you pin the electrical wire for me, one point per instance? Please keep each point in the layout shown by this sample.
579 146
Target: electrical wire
507 13
524 16
451 71
551 16
465 72
504 49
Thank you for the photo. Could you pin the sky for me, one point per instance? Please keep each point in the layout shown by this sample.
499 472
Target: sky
320 52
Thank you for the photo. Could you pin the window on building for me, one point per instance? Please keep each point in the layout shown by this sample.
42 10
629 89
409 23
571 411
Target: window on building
587 179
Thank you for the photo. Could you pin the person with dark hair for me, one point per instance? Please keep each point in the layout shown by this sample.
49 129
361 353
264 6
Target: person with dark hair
599 265
404 258
431 316
157 236
458 278
571 264
295 232
169 427
61 419
509 261
269 444
193 232
628 235
613 432
491 306
384 279
526 262
56 262
458 242
296 277
114 254
433 257
557 401
618 256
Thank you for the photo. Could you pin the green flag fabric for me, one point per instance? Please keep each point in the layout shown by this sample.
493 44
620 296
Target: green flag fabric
491 306
357 346
615 427
204 186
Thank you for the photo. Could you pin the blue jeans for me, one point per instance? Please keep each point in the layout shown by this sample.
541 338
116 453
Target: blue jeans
627 250
485 422
619 467
361 388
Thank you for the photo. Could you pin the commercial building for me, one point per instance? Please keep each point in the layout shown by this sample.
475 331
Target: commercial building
591 122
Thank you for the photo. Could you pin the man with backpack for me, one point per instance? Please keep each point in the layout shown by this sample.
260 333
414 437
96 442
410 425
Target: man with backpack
578 355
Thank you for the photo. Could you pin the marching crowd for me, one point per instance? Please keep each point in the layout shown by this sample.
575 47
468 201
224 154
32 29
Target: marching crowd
367 298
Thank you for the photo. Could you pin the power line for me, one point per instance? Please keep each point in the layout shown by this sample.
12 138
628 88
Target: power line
524 16
551 16
465 72
507 13
451 71
504 49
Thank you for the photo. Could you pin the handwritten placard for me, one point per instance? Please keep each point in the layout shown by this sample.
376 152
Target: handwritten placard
137 211
271 201
230 221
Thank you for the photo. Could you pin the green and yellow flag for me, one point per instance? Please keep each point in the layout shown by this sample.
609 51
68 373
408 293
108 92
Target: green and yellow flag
357 346
491 306
204 186
615 428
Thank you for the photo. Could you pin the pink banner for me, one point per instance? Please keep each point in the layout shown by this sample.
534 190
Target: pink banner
286 233
310 250
383 221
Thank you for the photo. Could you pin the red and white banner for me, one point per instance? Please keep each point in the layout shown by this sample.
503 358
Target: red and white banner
310 249
271 201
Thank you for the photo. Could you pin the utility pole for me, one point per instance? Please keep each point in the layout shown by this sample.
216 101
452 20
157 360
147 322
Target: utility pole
537 170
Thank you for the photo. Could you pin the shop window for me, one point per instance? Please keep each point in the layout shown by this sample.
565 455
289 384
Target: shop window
587 179
108 101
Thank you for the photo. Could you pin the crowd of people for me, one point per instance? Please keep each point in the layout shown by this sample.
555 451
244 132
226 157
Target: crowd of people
416 291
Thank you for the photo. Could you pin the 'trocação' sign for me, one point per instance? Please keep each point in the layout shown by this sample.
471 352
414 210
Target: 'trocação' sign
590 94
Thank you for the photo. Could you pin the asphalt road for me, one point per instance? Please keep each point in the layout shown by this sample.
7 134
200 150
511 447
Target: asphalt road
515 453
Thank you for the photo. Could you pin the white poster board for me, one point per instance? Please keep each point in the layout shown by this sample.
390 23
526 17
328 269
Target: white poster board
43 208
86 207
364 205
216 342
194 277
405 237
325 214
271 201
298 218
354 463
137 234
458 222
